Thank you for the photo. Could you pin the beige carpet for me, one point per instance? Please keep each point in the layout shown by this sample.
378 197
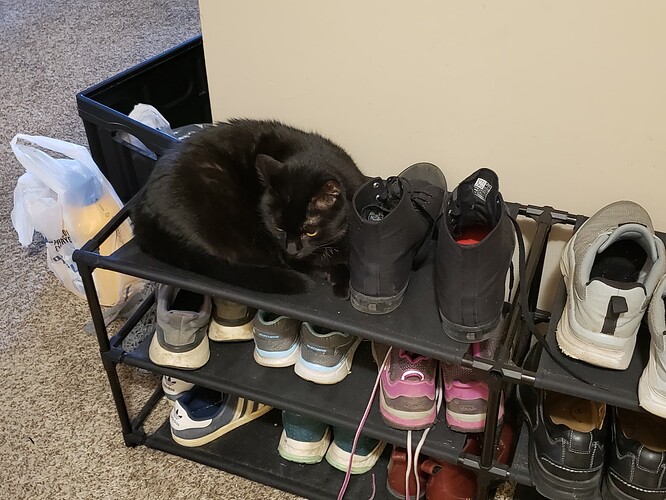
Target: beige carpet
59 432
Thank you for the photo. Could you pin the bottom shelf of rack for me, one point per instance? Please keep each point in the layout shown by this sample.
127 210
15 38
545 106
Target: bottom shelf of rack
251 452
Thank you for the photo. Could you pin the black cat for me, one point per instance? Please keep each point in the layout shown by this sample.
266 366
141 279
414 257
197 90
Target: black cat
252 203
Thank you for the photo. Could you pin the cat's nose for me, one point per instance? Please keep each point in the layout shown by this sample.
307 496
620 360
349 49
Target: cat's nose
292 249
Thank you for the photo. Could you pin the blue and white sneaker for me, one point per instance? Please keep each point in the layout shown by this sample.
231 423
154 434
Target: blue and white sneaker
276 339
326 355
202 415
368 450
304 440
174 388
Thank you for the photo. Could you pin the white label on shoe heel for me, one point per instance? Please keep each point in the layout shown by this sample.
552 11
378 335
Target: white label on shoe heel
481 188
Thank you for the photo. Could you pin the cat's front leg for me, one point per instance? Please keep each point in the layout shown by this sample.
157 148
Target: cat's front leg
338 277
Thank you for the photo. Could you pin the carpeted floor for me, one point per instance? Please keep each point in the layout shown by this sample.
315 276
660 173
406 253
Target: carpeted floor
59 432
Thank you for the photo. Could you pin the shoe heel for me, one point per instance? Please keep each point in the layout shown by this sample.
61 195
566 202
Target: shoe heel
551 486
375 305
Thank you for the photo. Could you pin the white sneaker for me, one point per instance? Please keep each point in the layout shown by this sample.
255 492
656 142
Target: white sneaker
174 388
611 267
652 385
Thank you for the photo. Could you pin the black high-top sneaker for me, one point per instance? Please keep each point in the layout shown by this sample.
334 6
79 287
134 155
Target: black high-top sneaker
389 231
474 250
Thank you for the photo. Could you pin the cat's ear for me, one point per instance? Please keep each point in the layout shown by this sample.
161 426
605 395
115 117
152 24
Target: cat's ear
327 195
267 167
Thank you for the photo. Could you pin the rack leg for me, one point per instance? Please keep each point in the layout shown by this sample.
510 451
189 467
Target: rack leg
105 349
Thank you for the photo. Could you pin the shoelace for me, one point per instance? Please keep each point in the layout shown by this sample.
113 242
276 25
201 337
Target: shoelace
529 317
388 199
438 399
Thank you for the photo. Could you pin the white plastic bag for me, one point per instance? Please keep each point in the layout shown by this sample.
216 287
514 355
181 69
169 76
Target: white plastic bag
68 200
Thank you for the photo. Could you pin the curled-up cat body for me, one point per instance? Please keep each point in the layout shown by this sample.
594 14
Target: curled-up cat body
252 203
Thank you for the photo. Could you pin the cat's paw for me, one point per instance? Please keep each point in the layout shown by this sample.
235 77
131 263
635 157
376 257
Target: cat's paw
341 290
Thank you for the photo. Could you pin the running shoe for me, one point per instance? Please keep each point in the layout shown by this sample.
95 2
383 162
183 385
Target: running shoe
231 322
276 339
304 439
368 450
180 339
326 355
408 385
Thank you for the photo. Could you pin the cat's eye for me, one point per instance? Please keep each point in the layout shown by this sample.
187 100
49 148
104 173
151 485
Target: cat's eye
312 234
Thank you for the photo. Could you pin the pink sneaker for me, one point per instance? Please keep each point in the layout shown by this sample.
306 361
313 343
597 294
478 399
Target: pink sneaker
408 389
467 396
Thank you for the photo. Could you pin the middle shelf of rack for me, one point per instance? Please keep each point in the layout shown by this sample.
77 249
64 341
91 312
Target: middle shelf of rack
231 368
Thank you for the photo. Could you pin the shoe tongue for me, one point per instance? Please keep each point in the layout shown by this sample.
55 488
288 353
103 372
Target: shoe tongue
475 202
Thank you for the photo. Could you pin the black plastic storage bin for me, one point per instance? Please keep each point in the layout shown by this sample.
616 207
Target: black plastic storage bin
174 82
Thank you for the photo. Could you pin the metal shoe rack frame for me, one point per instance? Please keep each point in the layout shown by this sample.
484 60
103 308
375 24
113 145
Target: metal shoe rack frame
250 451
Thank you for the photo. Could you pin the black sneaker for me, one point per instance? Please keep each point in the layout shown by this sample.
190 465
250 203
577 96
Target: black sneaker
390 228
567 443
474 250
637 460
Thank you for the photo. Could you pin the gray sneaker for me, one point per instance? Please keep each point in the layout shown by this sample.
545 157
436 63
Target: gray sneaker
180 339
326 355
203 415
276 339
231 322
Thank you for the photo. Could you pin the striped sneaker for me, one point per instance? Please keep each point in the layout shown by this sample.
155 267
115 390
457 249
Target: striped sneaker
174 388
203 415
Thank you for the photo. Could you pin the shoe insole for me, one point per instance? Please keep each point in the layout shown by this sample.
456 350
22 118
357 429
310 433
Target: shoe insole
187 301
622 261
472 235
647 429
575 413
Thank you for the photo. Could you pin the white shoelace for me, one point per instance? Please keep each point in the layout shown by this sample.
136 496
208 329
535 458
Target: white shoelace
438 399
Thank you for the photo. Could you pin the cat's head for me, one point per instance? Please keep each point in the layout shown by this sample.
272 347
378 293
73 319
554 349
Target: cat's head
303 206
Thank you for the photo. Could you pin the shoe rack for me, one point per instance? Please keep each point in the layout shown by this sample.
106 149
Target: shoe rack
251 451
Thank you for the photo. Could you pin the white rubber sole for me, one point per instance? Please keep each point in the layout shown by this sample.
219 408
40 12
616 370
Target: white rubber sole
188 360
339 458
221 333
327 376
577 347
244 419
304 453
277 362
648 397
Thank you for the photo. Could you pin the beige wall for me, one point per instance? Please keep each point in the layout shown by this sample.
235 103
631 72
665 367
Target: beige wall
563 99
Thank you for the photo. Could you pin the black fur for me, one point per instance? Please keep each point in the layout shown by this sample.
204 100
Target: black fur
253 203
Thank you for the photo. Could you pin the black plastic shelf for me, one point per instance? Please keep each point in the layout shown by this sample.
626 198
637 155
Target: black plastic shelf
415 325
251 452
623 384
231 368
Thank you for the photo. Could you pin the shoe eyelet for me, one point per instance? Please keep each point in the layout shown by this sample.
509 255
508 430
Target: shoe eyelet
375 185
